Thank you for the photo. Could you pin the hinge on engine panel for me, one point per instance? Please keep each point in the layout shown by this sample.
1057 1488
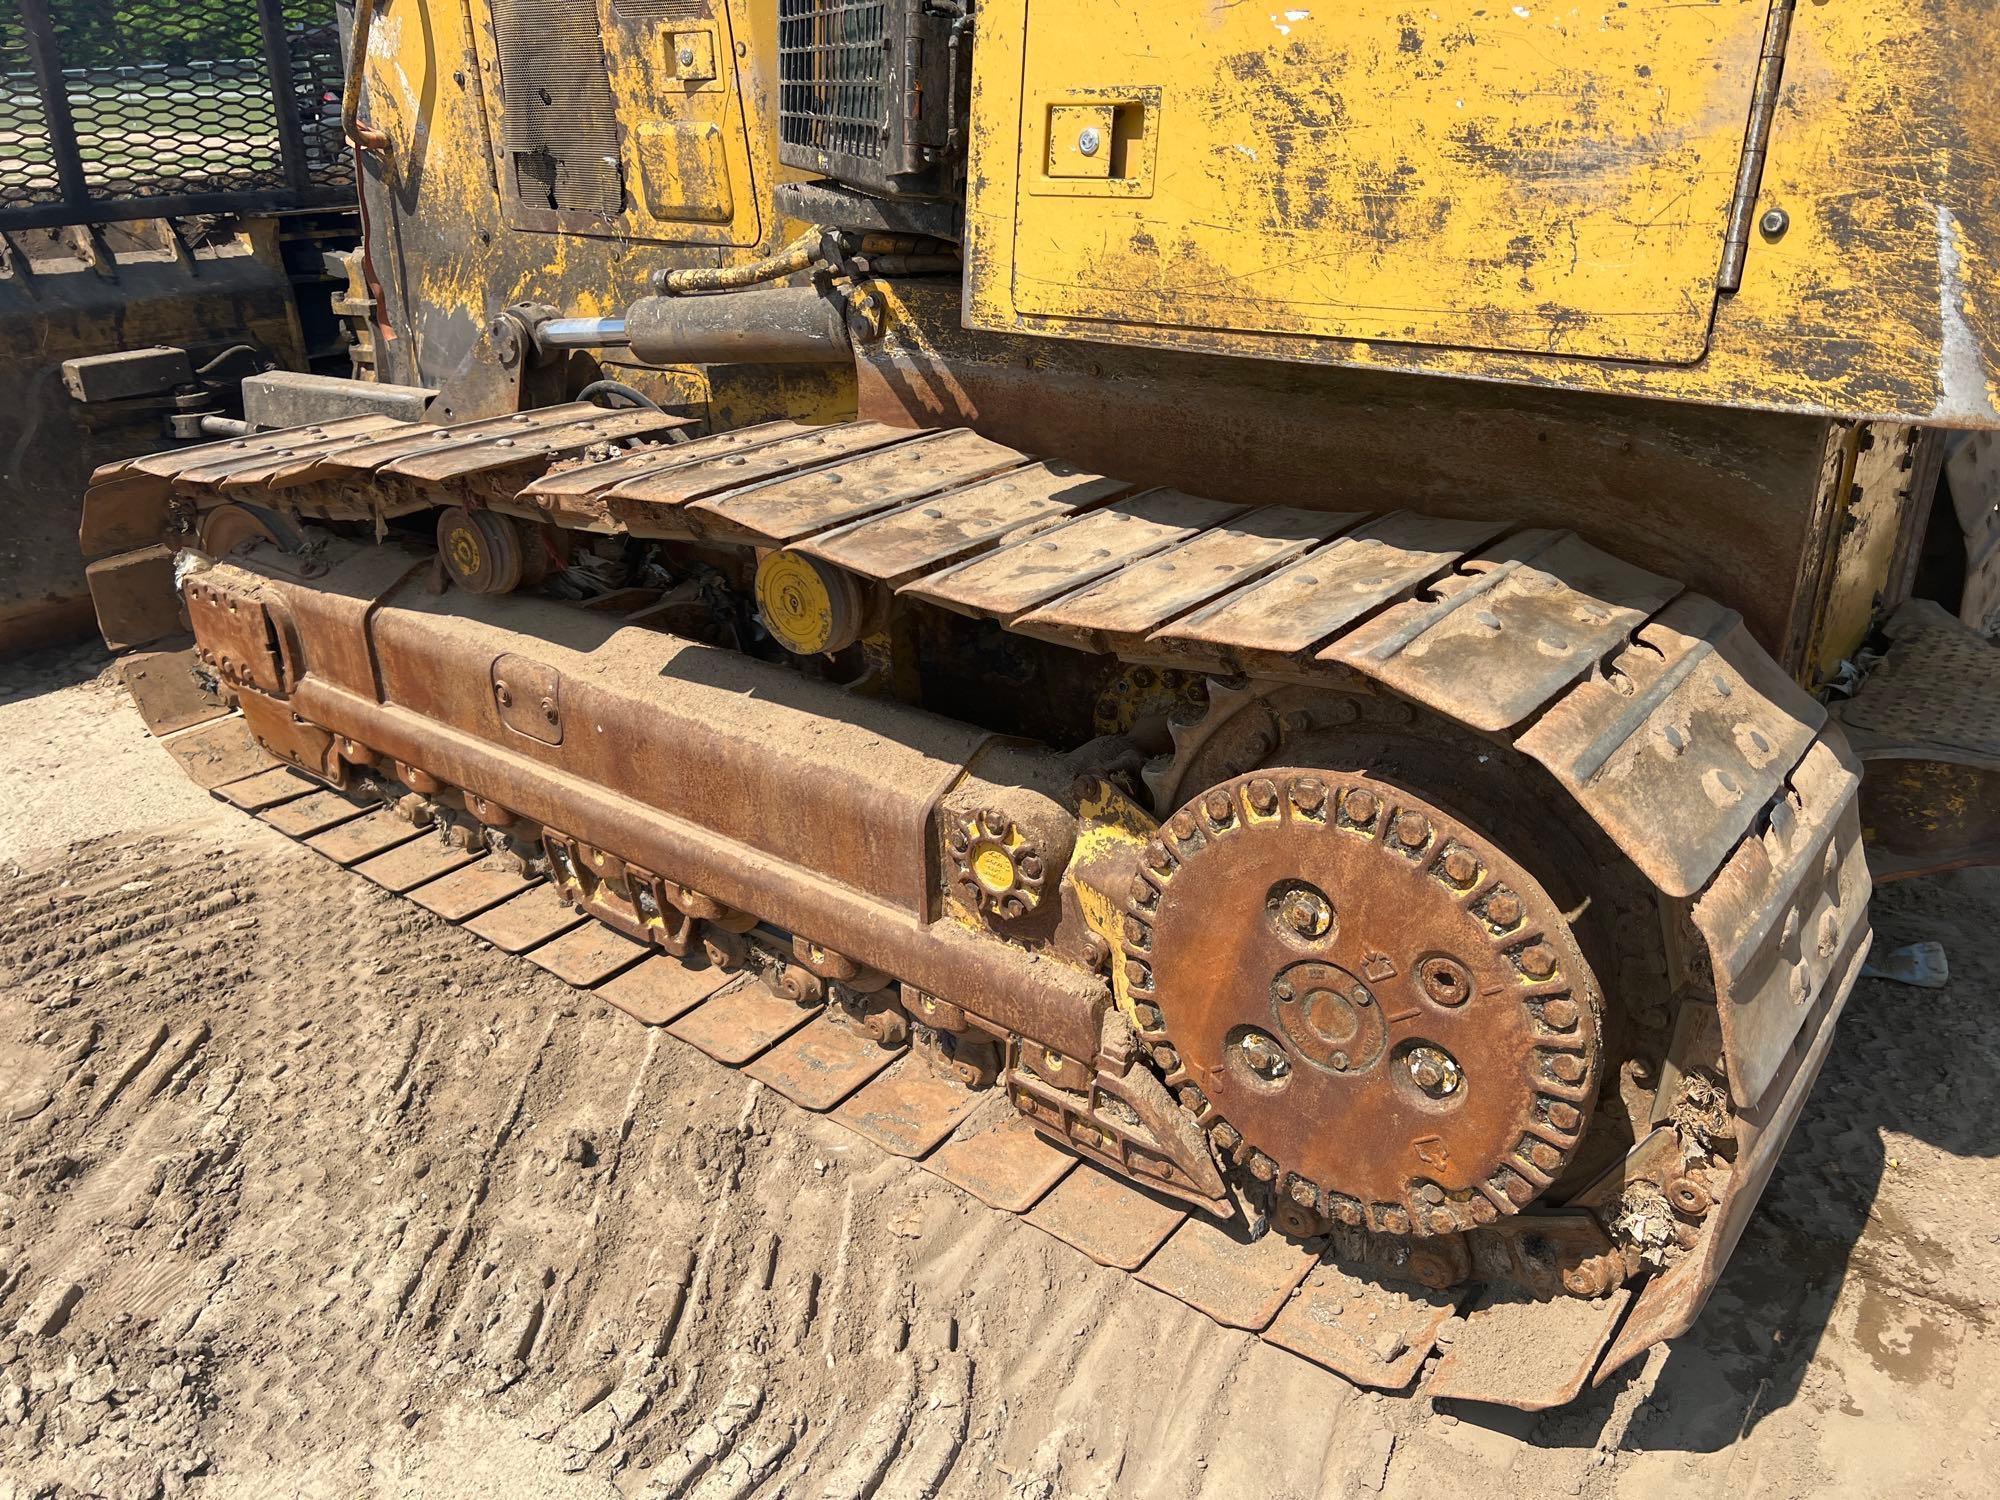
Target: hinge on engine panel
1756 142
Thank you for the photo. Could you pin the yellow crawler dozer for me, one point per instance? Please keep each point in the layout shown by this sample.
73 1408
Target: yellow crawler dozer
1232 628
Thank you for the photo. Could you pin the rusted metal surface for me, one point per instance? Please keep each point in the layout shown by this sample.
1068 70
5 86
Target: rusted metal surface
1785 915
1013 579
404 869
1722 499
589 955
133 596
1215 1270
1297 607
313 813
1114 1224
1926 726
218 752
926 535
1669 1303
1117 613
1331 959
732 793
661 989
525 921
822 1063
1693 701
740 1021
782 510
365 837
166 692
1373 1332
910 1108
1493 642
1517 1351
474 889
1006 1165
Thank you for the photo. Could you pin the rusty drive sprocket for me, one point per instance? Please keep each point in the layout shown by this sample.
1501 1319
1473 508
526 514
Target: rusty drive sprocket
1367 1004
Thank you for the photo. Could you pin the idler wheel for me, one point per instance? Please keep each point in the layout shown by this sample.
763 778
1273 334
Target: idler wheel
1374 1008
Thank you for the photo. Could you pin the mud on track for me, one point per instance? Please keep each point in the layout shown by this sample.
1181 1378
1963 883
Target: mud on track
303 1191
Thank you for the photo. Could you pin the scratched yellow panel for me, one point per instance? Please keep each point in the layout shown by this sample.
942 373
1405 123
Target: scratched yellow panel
1548 179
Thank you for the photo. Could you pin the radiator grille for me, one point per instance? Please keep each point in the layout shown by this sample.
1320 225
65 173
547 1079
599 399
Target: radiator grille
561 129
832 69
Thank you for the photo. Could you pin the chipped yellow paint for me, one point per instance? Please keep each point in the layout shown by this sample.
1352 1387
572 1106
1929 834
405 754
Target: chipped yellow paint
1326 189
1546 180
1111 832
699 157
1870 523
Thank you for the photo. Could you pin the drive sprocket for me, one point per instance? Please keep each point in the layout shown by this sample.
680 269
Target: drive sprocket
1370 1006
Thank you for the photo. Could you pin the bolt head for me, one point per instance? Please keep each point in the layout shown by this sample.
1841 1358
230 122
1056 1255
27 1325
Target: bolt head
1264 1057
1435 1071
1774 222
1088 140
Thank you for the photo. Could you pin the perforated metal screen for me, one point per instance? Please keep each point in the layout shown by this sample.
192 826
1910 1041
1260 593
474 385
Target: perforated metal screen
113 109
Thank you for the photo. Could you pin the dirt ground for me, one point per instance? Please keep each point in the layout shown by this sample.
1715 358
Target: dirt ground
305 1192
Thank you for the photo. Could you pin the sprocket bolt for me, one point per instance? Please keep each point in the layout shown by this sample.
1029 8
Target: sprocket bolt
1435 1071
1264 1057
1304 912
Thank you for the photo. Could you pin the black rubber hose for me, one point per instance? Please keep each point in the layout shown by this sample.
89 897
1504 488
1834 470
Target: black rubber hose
619 388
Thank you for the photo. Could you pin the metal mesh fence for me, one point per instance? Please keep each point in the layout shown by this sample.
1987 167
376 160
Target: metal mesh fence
113 109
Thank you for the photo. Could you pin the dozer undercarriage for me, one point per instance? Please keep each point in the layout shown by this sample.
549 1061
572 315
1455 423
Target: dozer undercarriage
1220 627
1329 834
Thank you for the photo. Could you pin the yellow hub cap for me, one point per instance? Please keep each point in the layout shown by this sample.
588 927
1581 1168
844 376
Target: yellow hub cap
800 605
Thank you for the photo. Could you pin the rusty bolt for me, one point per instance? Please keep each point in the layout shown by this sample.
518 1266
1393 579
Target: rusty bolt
1564 1116
1096 952
1138 975
1304 912
1148 1016
1338 1062
1567 1066
798 984
1560 1013
1166 1059
1446 981
1360 807
1284 991
1504 910
549 710
1592 1277
1689 1197
1182 826
1220 807
1157 859
1263 794
1539 962
1434 1070
888 1026
1460 868
1264 1057
1141 893
1309 794
1411 831
1262 1167
503 695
